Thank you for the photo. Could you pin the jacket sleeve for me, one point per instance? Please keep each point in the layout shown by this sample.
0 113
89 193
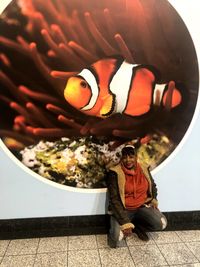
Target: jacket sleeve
154 200
116 205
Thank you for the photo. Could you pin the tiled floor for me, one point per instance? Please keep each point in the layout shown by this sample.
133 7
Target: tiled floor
180 248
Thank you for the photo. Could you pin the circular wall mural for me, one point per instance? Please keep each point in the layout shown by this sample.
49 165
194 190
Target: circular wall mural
80 79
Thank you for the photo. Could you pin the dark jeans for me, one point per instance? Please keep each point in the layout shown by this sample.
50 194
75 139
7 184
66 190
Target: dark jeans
150 219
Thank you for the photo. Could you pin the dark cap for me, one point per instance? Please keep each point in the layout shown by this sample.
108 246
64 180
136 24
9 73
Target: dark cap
128 150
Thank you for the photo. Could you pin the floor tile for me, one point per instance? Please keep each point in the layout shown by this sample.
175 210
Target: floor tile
82 242
177 253
56 259
134 240
147 255
53 244
18 261
188 265
3 246
102 241
195 248
83 258
22 246
188 236
165 237
119 257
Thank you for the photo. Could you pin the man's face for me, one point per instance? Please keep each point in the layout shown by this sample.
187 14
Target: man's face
129 161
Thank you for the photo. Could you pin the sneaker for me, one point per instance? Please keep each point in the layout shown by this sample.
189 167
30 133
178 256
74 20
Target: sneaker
141 233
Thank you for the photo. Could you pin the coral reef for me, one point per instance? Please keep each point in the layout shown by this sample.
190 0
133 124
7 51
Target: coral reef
83 161
42 45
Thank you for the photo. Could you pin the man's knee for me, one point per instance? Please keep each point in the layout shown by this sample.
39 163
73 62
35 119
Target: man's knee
115 236
159 224
114 229
164 222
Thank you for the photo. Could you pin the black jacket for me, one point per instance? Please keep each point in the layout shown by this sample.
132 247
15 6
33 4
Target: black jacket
116 185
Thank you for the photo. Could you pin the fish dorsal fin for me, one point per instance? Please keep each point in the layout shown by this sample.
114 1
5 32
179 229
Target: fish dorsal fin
158 94
91 80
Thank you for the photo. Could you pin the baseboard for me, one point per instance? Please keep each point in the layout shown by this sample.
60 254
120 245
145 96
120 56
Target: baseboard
53 226
83 225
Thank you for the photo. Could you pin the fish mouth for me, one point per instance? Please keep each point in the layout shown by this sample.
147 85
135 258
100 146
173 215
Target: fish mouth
111 111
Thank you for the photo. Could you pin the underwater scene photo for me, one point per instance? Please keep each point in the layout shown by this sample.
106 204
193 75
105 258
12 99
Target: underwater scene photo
80 79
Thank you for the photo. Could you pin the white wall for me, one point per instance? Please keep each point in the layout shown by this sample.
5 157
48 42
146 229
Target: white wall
178 179
3 4
24 194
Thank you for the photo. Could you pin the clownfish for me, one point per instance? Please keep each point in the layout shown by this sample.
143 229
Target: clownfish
113 85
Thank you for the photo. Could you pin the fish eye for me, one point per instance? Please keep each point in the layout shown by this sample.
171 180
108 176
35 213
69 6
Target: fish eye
83 84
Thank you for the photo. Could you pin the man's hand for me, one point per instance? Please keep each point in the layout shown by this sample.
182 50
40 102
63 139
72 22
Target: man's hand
127 232
153 206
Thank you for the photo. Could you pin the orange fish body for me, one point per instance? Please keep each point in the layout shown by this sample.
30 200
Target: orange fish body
114 86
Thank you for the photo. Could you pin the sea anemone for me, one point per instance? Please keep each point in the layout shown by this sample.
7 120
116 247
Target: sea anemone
42 45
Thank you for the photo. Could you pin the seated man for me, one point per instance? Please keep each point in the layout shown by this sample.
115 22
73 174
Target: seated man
133 200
